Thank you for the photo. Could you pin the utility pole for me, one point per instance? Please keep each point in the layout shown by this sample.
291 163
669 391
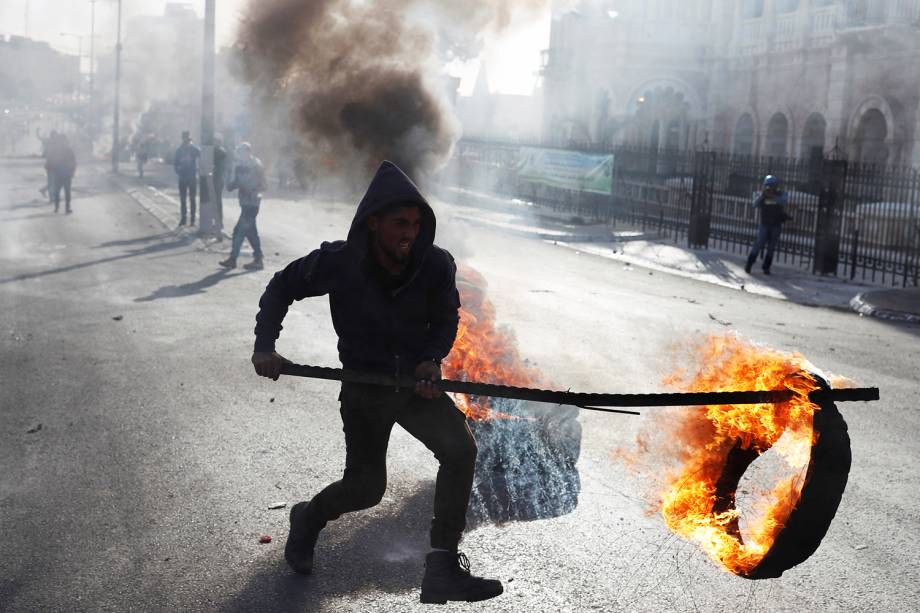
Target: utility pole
209 221
92 72
115 113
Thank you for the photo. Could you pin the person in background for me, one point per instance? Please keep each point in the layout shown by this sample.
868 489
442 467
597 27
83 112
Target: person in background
249 179
61 165
185 162
219 177
771 202
45 141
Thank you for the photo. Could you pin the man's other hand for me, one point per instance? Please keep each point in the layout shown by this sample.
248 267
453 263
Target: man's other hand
268 364
427 373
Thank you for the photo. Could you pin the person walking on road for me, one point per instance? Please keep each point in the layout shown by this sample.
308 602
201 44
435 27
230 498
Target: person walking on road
249 179
771 202
185 161
395 309
219 177
61 165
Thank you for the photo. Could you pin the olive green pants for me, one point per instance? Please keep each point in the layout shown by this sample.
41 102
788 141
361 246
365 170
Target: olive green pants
368 414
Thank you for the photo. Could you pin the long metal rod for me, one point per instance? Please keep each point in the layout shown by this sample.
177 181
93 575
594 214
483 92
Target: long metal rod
585 401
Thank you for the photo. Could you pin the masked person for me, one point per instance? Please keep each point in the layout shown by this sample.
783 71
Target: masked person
395 309
771 202
185 162
249 179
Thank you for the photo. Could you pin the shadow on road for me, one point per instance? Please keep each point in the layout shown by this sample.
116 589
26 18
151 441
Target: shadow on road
190 289
35 203
148 250
134 241
384 553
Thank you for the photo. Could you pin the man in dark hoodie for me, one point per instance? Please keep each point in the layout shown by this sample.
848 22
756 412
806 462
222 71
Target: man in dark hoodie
394 305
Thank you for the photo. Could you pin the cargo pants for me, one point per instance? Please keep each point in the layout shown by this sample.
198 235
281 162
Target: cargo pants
368 414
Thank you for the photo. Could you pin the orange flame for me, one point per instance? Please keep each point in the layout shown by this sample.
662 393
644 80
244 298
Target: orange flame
703 437
483 352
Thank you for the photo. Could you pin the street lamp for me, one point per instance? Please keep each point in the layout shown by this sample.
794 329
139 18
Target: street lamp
116 111
210 218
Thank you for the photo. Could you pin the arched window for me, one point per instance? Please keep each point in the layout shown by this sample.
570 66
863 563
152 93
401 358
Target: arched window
870 138
777 136
744 136
813 135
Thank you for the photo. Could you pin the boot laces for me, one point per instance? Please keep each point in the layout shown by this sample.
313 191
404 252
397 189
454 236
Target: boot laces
463 561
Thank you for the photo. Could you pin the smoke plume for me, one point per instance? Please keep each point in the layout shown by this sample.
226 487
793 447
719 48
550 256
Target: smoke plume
360 77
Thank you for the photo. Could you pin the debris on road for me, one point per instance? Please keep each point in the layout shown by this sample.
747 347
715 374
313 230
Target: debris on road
719 321
277 505
34 430
272 399
118 317
265 539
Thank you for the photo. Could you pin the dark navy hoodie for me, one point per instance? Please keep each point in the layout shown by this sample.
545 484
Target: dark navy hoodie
382 327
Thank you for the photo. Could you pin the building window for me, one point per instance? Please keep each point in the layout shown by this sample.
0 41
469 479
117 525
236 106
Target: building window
744 136
870 138
752 9
813 136
777 136
787 6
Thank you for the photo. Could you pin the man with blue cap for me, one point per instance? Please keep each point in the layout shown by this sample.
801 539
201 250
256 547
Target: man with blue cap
771 202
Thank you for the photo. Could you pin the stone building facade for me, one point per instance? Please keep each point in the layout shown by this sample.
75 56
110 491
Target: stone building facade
769 77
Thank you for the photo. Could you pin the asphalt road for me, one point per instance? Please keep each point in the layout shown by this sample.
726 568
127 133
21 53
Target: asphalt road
146 486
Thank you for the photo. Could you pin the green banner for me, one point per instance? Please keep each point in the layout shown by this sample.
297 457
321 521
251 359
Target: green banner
587 172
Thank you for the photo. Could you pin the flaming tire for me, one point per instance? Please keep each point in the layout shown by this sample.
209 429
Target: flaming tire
825 481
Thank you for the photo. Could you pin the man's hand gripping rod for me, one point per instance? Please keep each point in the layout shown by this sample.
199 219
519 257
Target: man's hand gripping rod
592 402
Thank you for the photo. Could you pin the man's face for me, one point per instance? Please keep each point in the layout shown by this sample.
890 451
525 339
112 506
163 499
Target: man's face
395 232
186 139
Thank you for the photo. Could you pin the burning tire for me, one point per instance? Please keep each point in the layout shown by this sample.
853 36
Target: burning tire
526 466
825 482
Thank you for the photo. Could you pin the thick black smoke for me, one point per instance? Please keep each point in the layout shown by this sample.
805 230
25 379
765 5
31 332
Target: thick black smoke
357 74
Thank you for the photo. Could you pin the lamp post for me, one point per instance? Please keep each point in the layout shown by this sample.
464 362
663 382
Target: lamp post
116 110
92 72
209 220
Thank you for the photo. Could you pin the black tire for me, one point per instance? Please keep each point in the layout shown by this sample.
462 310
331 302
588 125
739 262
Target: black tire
825 481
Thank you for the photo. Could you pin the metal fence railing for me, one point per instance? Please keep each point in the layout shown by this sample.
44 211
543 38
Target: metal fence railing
848 219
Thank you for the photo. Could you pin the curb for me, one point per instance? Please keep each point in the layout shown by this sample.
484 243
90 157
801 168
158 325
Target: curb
161 207
865 308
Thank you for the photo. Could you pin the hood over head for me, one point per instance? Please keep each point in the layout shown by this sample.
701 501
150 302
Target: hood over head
390 185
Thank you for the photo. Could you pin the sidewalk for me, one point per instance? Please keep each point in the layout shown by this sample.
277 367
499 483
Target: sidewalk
648 250
165 209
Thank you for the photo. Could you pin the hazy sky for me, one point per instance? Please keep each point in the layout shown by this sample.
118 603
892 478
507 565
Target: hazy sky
512 59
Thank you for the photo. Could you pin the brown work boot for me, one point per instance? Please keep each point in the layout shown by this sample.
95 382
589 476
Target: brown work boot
448 577
228 263
305 528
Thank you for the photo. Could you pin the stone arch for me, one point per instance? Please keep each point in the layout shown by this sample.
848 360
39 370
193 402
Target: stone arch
776 141
745 135
871 139
680 86
873 106
666 103
814 136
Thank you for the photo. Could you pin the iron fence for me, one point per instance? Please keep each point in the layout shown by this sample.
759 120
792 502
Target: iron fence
848 219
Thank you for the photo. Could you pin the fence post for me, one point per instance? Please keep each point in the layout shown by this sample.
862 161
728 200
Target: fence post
701 200
827 226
